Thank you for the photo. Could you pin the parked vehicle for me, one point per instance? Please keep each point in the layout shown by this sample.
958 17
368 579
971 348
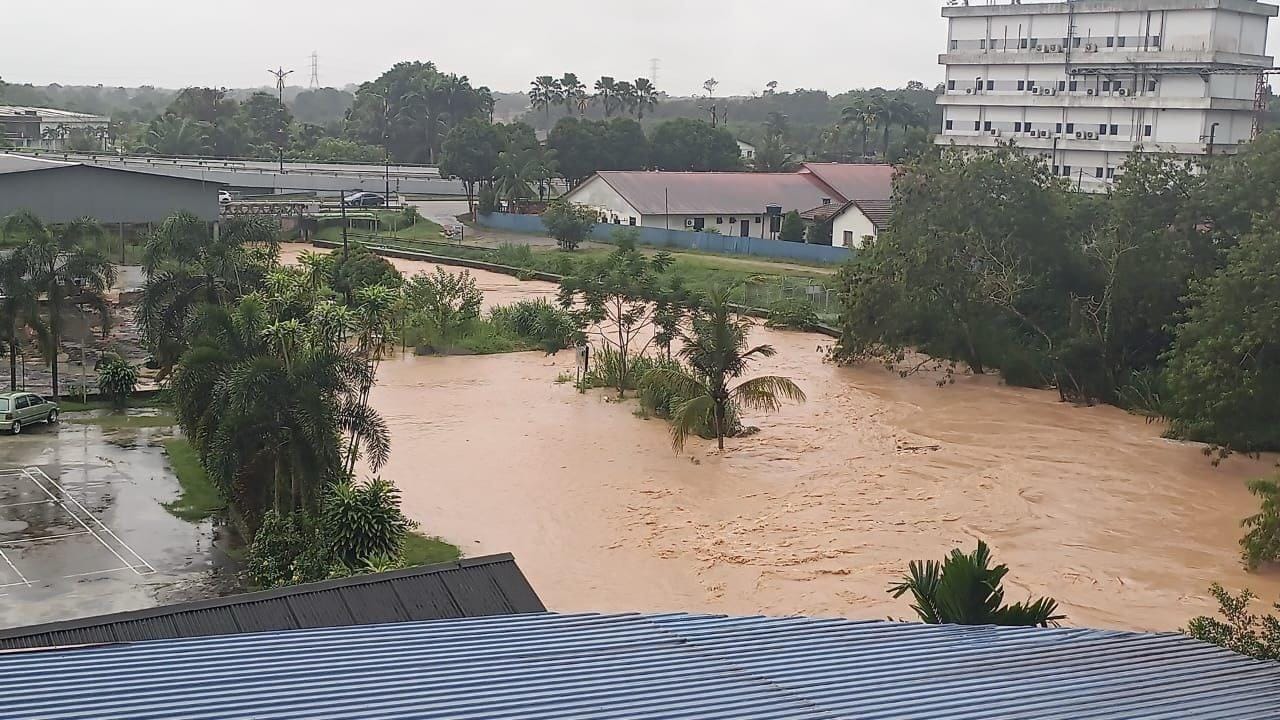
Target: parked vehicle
365 199
19 409
224 197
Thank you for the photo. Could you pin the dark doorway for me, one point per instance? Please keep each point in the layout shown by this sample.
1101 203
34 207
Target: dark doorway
746 229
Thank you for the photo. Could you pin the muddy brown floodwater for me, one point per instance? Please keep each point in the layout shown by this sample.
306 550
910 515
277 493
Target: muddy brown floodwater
822 509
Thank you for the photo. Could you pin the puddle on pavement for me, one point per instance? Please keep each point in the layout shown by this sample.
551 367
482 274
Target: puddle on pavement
826 505
117 476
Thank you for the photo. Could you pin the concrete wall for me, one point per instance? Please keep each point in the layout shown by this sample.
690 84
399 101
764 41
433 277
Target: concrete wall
678 239
63 194
850 228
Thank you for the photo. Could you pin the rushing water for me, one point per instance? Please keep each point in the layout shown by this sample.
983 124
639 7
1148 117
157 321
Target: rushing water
826 505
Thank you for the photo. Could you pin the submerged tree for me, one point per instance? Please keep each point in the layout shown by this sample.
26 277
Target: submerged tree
966 590
1239 630
716 352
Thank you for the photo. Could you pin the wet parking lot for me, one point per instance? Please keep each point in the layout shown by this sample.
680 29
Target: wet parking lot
84 531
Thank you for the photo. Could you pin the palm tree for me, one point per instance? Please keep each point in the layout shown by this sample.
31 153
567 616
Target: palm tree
716 352
186 268
606 90
625 93
966 590
573 94
546 91
646 96
520 171
863 112
173 135
67 273
773 156
19 309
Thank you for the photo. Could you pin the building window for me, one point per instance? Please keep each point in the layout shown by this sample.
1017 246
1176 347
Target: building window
991 84
1111 173
1155 41
757 219
1062 85
699 223
1022 43
977 125
720 220
1151 86
1115 129
1071 127
1146 131
848 238
1098 173
1102 129
1118 86
982 44
948 124
1022 85
1026 126
986 125
1035 42
1056 170
955 44
1075 85
1066 171
1120 40
1111 42
631 220
1106 86
1075 42
1017 127
951 84
1058 128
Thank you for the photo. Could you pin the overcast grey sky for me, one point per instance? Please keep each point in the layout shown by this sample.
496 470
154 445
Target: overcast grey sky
834 45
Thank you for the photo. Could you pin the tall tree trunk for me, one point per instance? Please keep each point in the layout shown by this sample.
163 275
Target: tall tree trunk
13 353
717 415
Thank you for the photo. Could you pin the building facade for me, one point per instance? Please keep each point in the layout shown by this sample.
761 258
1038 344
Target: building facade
1085 83
49 129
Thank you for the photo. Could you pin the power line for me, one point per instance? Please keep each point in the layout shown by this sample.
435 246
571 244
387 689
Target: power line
315 71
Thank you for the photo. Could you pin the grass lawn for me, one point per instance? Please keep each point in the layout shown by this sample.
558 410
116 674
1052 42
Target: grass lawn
423 550
200 499
118 422
391 227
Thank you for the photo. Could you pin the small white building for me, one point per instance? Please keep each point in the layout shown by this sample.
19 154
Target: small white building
853 223
731 203
48 129
1085 83
747 151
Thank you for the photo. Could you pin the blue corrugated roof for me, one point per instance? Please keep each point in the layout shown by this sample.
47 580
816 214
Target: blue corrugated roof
646 666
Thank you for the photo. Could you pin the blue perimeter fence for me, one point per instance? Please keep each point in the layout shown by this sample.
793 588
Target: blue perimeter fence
681 239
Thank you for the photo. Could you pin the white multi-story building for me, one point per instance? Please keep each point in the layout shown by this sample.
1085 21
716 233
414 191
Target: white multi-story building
1085 83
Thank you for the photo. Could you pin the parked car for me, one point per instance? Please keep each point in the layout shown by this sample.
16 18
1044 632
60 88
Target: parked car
365 199
224 197
19 409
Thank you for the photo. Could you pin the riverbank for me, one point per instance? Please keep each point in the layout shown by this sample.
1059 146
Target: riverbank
824 507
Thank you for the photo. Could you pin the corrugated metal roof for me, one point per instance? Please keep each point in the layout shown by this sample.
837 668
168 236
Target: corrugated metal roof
20 163
473 587
854 181
48 114
715 193
608 667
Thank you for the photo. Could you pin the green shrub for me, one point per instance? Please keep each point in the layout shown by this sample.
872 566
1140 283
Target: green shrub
409 215
660 401
540 323
288 550
568 223
1262 542
117 379
487 201
518 256
1240 630
443 304
792 314
363 522
605 369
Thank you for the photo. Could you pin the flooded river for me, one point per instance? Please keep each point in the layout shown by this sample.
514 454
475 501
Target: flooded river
822 509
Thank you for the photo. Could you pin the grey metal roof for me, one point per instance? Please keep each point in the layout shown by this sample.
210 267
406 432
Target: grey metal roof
21 163
474 587
48 115
606 667
712 193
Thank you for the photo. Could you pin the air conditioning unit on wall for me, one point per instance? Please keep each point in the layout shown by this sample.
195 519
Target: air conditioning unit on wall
968 91
688 222
1092 91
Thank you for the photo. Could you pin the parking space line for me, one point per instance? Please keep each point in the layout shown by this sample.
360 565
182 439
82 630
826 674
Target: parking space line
96 572
77 517
105 529
32 502
16 571
45 537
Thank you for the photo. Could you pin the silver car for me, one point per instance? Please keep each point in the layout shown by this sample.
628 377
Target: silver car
19 409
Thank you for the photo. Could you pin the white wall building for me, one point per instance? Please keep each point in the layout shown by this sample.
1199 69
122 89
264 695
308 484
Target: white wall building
737 203
1085 83
48 129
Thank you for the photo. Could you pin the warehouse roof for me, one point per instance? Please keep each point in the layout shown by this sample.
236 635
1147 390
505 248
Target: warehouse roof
48 115
691 193
607 667
22 163
474 587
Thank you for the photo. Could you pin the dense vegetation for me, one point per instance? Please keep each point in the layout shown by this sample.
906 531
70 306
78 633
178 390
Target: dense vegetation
1160 297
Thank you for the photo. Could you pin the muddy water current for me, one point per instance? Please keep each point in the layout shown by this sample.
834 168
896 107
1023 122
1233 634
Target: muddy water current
824 507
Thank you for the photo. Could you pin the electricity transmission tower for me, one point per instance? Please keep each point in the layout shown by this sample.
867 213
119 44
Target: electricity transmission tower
315 71
280 75
653 70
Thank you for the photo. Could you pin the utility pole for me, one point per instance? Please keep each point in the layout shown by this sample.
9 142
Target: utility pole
280 74
343 202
